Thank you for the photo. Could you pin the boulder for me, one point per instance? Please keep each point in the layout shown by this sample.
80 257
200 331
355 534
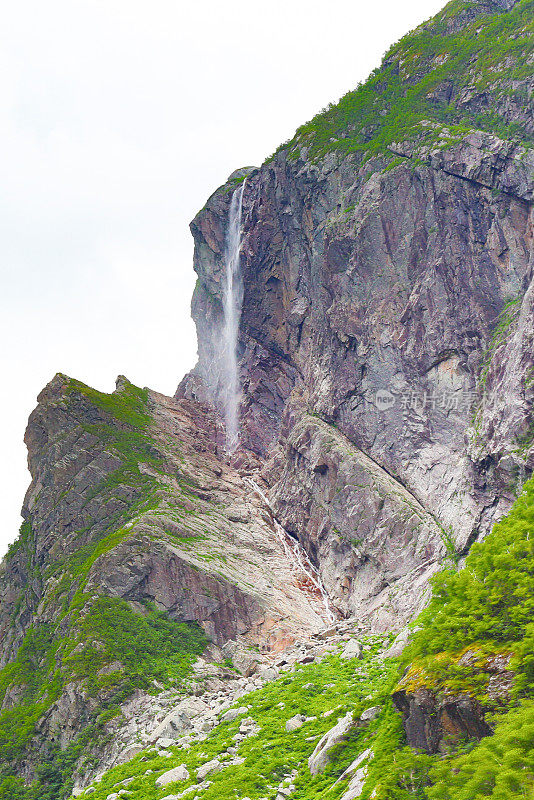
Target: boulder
130 752
165 742
370 714
321 755
352 649
356 765
171 776
267 673
208 768
233 713
295 723
429 720
398 644
245 661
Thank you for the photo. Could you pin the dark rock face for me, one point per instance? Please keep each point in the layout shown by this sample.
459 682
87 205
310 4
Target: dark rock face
434 719
430 724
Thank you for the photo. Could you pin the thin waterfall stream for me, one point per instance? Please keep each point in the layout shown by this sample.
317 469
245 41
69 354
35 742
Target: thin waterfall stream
296 555
233 301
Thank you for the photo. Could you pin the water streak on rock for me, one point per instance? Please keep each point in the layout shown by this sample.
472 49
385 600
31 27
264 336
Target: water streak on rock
297 557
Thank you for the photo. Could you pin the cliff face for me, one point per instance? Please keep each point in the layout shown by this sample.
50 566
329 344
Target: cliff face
386 331
386 358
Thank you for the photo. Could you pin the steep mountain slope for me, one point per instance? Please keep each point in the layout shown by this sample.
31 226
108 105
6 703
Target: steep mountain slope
329 727
386 360
387 255
140 546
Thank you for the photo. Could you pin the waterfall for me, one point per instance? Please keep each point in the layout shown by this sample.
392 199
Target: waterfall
233 300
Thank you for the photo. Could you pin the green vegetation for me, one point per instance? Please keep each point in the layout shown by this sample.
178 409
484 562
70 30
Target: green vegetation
485 608
337 685
138 648
148 647
96 641
129 405
491 600
402 96
500 767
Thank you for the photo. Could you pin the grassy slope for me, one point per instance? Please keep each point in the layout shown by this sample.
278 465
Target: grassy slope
337 684
493 55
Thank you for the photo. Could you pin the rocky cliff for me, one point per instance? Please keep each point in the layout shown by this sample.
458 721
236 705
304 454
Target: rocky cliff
385 338
229 618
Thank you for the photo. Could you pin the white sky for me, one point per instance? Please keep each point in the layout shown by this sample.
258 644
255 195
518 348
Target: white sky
118 118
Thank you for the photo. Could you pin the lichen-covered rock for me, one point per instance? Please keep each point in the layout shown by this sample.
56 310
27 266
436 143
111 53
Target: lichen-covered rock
429 723
434 715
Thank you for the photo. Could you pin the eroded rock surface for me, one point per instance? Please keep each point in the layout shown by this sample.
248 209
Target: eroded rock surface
385 350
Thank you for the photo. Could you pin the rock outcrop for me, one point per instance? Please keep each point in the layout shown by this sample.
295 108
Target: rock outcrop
435 717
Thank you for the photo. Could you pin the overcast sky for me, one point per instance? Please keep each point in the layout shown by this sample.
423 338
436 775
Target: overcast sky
118 119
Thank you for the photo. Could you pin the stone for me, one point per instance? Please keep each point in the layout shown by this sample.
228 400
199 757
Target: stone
208 768
398 644
321 755
370 714
357 772
294 723
367 755
244 660
352 649
179 773
233 713
430 721
165 742
327 633
356 785
267 673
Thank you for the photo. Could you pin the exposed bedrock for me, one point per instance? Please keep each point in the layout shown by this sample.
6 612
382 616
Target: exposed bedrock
395 305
